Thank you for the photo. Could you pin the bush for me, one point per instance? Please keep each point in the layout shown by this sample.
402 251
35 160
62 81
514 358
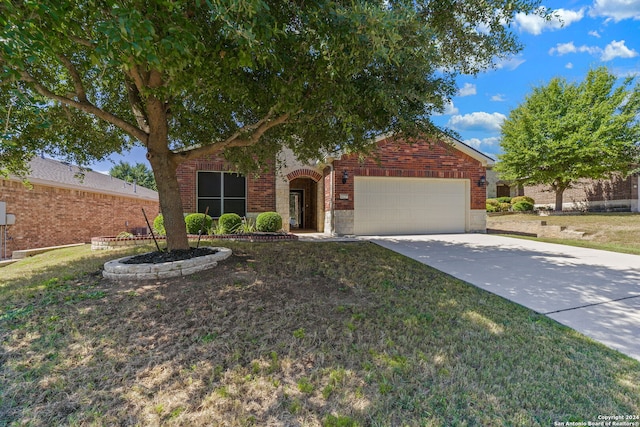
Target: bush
504 199
522 206
228 223
194 222
269 222
493 202
158 225
504 207
492 208
519 199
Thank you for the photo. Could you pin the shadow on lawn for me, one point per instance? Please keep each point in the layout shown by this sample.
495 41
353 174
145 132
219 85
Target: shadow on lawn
301 334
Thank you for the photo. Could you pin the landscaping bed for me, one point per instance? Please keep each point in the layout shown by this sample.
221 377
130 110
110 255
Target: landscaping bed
111 242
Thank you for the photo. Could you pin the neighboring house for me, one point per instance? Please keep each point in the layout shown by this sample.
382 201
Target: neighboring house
64 205
615 194
404 188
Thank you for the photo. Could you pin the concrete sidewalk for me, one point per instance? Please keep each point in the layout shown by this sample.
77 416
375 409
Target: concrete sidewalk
594 292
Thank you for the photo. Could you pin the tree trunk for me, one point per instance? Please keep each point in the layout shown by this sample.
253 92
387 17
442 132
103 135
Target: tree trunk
170 201
559 194
164 165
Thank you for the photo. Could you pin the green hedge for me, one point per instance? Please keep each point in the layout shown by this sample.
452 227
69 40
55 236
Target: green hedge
158 226
269 222
194 223
228 223
519 199
522 206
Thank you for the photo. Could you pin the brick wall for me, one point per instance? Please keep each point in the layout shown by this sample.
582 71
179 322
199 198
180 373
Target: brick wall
261 190
587 192
417 160
52 216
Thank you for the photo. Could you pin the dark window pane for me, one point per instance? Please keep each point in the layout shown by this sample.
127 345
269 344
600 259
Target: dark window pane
215 208
235 206
234 185
209 184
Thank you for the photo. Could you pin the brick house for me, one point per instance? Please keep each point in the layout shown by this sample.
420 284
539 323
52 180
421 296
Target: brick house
403 188
596 195
64 205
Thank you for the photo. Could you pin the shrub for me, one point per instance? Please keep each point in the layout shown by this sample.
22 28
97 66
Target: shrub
504 207
504 199
522 206
493 202
269 222
228 223
492 208
194 222
522 199
158 225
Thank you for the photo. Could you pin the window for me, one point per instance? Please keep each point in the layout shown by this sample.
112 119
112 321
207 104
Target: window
222 192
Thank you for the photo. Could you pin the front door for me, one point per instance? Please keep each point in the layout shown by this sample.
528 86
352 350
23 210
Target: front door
296 209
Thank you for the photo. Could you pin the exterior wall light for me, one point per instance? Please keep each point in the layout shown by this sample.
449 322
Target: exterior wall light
345 176
482 181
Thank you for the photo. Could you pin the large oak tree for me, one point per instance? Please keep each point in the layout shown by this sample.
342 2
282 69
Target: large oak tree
566 131
85 78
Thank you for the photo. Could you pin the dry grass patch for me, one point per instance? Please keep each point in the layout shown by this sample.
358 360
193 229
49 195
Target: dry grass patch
610 231
291 334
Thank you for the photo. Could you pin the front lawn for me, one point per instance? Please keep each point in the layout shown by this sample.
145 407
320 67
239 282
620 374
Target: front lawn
290 334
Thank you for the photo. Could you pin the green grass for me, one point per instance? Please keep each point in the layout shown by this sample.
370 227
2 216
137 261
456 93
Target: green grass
290 333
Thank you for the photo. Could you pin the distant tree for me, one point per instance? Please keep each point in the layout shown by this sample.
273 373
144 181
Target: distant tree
564 131
244 78
139 173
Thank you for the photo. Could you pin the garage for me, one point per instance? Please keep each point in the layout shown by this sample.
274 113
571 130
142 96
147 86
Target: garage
394 205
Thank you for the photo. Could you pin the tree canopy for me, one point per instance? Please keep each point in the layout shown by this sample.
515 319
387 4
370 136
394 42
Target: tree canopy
566 131
86 78
139 173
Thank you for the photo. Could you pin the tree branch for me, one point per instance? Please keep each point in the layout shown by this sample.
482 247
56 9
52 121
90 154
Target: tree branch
257 130
137 106
81 94
81 41
87 107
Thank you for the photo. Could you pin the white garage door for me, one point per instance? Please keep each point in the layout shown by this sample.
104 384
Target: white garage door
386 205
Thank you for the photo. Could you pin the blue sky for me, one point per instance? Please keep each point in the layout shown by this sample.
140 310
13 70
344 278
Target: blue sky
591 34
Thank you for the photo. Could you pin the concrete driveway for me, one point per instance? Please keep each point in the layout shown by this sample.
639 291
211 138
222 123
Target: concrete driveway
594 292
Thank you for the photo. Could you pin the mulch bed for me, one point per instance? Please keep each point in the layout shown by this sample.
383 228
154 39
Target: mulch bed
175 255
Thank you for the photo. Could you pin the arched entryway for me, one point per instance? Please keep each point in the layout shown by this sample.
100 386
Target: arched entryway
304 200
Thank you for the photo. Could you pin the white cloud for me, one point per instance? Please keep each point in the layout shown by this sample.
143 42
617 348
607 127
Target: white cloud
617 49
498 97
616 10
477 143
449 109
536 24
477 121
467 90
568 66
510 64
565 48
473 142
594 33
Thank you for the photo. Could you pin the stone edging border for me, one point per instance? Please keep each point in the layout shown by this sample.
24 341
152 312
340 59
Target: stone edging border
117 270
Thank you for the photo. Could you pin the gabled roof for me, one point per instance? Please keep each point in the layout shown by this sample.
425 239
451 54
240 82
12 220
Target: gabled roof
63 175
460 146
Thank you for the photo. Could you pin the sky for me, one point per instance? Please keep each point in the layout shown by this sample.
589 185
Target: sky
589 34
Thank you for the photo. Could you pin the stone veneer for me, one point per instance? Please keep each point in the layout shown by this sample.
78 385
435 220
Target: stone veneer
118 270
